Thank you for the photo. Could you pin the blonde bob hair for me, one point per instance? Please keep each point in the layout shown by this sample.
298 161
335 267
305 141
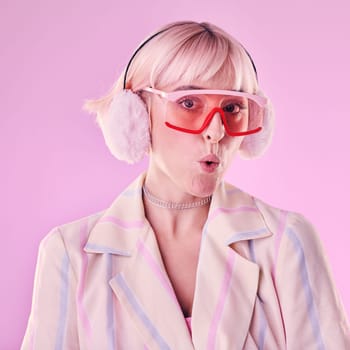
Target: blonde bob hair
178 54
185 52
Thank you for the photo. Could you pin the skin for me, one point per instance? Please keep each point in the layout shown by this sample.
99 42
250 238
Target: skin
174 156
174 174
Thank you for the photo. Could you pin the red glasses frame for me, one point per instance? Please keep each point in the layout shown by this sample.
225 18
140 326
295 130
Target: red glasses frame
174 95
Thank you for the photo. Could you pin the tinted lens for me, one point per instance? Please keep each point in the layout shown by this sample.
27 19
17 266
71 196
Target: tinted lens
236 112
187 112
240 114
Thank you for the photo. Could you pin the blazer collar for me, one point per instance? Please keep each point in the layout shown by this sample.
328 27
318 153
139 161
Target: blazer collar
120 226
227 277
233 217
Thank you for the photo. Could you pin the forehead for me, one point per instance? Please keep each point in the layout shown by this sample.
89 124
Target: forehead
212 84
205 95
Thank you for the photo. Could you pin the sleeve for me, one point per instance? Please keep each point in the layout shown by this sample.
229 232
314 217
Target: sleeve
312 312
52 321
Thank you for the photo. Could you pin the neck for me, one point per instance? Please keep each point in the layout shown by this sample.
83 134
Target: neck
175 223
162 186
164 204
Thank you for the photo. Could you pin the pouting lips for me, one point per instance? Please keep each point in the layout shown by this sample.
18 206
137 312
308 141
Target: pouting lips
209 163
209 159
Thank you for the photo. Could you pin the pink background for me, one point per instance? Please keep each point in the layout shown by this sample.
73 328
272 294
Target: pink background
55 167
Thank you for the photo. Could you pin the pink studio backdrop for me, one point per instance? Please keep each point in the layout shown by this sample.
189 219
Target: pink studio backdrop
56 168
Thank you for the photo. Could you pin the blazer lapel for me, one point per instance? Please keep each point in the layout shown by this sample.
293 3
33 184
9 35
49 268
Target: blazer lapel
227 281
141 283
146 292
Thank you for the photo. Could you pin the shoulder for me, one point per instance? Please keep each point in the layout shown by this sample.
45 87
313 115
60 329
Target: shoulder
71 235
292 225
291 220
232 200
293 233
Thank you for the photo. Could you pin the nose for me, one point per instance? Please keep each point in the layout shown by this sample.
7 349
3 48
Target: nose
215 131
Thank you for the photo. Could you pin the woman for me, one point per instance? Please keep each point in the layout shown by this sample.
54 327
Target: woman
181 259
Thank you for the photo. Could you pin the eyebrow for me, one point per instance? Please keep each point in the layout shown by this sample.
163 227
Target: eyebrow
195 87
188 87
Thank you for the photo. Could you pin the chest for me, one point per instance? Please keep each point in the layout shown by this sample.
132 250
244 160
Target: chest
180 259
123 296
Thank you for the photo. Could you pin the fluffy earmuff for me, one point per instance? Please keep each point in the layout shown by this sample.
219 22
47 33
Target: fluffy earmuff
126 129
255 145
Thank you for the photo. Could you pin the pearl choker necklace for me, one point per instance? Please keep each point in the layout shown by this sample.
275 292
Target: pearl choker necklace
171 205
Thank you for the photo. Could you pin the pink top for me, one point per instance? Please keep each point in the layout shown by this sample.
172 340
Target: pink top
188 321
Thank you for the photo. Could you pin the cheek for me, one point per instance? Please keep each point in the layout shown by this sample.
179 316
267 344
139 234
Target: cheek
236 143
231 145
164 138
168 143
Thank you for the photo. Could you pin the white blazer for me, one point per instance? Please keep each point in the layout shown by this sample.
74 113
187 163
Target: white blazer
263 282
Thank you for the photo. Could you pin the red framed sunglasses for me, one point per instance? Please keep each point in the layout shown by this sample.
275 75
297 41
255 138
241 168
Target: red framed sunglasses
191 111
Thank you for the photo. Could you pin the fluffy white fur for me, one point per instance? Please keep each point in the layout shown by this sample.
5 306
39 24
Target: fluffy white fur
255 145
125 127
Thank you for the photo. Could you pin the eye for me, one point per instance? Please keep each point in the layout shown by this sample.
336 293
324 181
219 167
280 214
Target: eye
190 103
187 103
232 108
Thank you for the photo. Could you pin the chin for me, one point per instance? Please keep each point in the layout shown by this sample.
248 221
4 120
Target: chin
203 185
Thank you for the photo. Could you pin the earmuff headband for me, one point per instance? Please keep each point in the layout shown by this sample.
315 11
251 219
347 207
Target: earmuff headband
126 127
162 31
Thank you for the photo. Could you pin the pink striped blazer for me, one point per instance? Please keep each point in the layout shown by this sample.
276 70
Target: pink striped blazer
262 282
